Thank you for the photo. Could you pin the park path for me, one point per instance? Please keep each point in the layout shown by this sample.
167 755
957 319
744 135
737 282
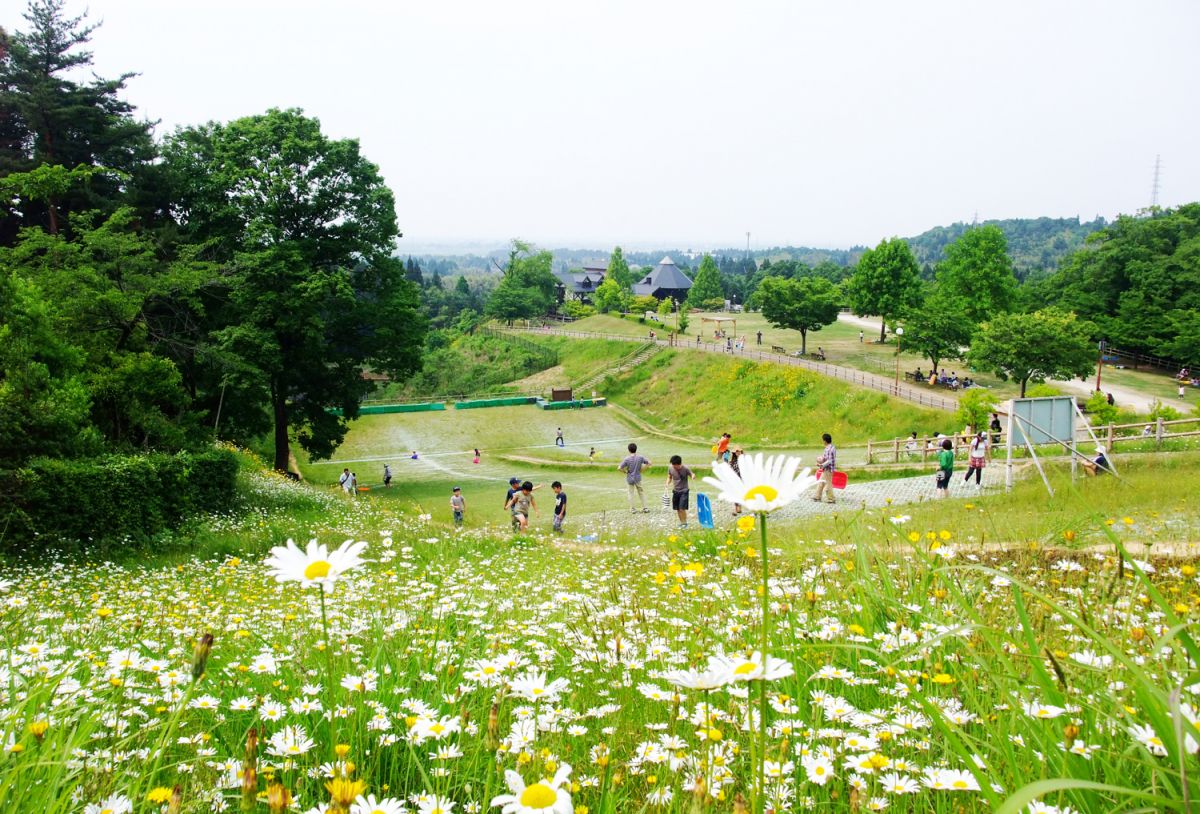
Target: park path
892 492
1124 396
882 384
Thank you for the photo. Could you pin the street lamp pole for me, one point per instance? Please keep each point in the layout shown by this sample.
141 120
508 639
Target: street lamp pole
899 333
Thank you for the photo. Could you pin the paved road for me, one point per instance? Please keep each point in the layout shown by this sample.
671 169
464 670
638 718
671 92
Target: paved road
871 494
884 384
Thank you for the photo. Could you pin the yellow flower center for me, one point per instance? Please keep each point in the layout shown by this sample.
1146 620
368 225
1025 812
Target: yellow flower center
767 493
539 795
317 570
745 667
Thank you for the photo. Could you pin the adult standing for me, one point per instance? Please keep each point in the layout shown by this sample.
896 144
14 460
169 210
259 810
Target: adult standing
827 460
996 428
977 459
760 337
678 481
344 480
632 466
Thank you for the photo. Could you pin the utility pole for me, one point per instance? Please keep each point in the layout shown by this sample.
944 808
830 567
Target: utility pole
1154 186
1100 363
747 243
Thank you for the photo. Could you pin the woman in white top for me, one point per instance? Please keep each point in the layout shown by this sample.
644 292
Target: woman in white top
977 459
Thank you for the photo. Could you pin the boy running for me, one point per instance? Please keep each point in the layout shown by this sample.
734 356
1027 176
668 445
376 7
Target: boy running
522 505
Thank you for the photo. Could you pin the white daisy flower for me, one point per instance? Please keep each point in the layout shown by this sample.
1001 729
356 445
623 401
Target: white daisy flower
763 485
543 797
316 564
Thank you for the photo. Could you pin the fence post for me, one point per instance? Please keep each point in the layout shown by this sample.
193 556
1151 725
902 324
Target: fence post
896 445
1111 437
1158 433
869 460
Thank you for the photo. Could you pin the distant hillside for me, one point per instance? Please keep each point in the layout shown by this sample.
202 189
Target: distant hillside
1033 243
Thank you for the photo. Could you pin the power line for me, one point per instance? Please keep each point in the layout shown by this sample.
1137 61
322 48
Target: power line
1155 187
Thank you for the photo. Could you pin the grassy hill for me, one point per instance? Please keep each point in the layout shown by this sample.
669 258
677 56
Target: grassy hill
760 403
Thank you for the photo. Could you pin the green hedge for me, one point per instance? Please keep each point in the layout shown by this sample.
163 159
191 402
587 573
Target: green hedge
96 503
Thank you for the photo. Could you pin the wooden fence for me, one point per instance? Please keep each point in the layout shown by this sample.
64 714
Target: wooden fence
1157 432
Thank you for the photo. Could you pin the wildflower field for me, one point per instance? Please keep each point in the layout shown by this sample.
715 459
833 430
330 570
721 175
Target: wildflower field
413 669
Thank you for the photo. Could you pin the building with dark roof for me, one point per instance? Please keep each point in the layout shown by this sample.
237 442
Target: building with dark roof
664 280
580 285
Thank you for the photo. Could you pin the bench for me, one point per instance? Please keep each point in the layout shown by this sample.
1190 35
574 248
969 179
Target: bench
913 377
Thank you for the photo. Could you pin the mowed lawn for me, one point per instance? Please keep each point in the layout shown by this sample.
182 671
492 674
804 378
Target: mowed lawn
514 442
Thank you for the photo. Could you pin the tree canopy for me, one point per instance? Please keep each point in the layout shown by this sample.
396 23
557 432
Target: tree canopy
804 304
305 227
528 288
885 283
707 284
618 270
1050 343
977 275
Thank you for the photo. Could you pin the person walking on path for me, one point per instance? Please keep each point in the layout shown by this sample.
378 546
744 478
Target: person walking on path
632 467
827 460
945 468
458 505
560 506
678 477
977 459
558 438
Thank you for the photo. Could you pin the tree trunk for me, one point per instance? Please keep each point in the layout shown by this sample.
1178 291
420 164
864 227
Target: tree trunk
279 402
882 329
1023 383
803 342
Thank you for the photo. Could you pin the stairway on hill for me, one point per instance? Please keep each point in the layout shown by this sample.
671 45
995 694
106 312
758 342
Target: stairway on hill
627 363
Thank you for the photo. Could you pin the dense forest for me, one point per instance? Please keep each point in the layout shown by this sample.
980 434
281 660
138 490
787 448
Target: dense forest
230 280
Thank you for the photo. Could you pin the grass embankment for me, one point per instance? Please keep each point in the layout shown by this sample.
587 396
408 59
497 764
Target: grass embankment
919 677
1151 502
762 403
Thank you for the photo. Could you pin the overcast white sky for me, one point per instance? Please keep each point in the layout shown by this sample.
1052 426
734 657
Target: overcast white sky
690 123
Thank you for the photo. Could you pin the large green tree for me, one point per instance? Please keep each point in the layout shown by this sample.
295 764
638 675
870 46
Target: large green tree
936 328
804 304
311 295
528 288
1138 279
610 296
1050 343
707 284
618 269
885 283
50 115
978 274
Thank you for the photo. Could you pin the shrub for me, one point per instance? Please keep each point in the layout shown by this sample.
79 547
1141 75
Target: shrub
974 407
97 503
1041 390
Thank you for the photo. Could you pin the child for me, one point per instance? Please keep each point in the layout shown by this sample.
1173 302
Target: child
522 503
591 456
353 484
387 475
476 456
560 506
977 459
458 505
945 468
678 483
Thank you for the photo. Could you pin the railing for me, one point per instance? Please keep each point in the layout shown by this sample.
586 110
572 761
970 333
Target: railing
546 355
1145 359
868 380
1155 432
625 361
450 397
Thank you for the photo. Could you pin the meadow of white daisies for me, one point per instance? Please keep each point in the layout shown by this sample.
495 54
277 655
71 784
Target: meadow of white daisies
415 669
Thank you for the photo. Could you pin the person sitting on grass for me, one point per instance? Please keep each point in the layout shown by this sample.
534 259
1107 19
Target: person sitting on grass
1099 464
523 504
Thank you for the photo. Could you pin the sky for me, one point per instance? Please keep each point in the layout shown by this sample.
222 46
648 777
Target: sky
689 124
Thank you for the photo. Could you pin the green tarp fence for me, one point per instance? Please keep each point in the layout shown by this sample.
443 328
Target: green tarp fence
570 405
510 401
380 409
